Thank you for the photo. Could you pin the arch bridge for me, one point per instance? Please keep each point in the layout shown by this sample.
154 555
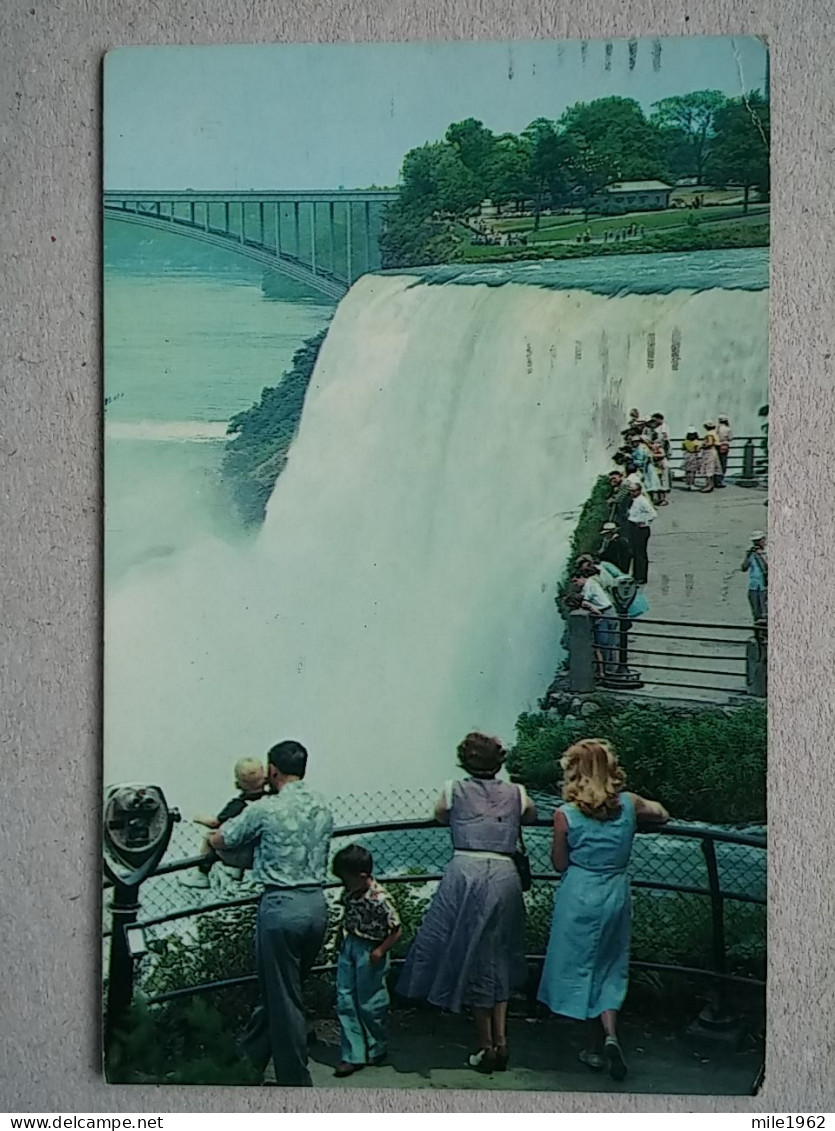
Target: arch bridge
324 239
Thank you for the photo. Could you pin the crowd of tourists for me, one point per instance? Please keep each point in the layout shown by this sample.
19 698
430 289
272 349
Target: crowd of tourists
468 952
639 484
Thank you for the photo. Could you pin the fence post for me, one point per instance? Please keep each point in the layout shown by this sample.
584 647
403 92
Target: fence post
756 662
123 910
717 909
580 652
715 1024
748 479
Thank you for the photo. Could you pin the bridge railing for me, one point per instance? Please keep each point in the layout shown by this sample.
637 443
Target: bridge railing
698 908
326 240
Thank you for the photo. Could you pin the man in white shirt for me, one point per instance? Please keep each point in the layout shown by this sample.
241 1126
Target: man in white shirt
640 516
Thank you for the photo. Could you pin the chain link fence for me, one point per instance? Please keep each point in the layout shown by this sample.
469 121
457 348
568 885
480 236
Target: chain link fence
204 938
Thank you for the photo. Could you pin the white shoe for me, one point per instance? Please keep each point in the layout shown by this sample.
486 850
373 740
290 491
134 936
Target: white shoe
195 879
592 1060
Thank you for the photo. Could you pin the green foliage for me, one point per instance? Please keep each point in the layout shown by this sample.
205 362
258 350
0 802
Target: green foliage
261 435
687 125
590 173
223 948
411 907
182 1042
615 131
586 536
740 151
703 764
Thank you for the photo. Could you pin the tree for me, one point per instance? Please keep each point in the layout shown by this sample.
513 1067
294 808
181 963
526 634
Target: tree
549 163
508 173
740 151
474 145
687 124
624 141
590 173
436 188
436 180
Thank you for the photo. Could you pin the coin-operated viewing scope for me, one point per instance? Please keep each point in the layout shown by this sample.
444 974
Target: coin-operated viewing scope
137 829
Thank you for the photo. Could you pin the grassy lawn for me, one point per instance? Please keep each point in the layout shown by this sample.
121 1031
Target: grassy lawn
562 228
734 231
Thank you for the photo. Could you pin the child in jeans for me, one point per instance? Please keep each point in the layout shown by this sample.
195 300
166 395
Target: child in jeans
250 781
369 929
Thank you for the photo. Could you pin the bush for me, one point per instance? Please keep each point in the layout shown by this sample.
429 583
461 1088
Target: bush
261 435
181 1042
586 536
703 764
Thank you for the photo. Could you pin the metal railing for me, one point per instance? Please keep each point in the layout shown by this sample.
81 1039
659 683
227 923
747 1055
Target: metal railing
732 657
744 459
681 896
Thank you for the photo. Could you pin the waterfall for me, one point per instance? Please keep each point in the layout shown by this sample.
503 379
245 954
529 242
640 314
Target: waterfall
401 591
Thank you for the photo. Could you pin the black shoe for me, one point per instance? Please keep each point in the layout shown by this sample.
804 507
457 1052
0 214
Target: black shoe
346 1069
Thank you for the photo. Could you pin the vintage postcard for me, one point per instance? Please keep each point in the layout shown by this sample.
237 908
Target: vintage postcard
435 683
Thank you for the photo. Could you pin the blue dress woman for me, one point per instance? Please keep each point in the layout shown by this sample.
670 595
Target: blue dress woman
586 970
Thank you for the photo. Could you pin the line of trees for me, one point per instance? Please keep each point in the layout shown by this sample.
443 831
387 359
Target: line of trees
550 164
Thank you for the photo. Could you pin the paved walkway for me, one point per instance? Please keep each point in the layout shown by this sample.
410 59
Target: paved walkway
430 1050
697 546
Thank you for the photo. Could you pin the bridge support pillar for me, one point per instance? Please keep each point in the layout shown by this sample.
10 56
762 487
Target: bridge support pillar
348 240
367 218
332 237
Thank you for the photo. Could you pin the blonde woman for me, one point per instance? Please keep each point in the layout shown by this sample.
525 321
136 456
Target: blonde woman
586 968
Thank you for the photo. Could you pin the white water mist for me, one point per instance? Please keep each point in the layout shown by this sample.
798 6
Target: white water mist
401 590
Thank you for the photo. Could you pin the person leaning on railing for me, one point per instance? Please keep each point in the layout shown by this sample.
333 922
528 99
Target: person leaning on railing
586 969
469 950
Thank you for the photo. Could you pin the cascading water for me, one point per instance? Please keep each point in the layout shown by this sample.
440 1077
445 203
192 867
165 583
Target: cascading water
401 590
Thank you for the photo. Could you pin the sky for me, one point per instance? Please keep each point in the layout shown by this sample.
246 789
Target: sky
343 115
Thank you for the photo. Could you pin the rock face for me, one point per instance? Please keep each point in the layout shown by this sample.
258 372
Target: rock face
589 708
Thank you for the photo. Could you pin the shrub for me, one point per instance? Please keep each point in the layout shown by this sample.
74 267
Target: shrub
586 536
181 1042
703 764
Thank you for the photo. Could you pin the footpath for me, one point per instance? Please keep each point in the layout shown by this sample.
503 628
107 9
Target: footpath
695 553
431 1052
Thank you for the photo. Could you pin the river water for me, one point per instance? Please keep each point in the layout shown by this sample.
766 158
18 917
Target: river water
191 338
